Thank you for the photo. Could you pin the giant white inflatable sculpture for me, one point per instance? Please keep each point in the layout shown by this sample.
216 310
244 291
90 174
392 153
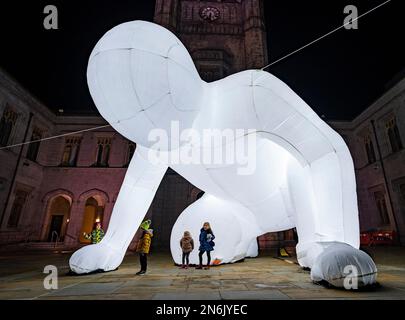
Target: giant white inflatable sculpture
142 78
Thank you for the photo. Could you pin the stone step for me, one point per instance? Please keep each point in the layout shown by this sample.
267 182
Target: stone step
36 246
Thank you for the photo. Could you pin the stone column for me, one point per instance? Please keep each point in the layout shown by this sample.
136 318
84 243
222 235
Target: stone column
166 13
108 208
75 224
255 35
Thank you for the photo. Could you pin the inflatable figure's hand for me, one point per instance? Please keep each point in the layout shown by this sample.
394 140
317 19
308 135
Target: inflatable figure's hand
96 257
136 194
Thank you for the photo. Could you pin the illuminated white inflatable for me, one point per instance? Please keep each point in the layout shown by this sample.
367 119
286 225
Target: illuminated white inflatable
142 79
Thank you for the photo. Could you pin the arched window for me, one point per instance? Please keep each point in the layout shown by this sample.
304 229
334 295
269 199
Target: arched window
33 147
66 154
7 123
402 192
103 152
58 218
71 151
17 208
100 149
93 213
130 153
106 154
368 143
381 204
394 136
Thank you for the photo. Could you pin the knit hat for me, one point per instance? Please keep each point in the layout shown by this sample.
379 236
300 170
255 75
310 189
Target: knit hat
145 225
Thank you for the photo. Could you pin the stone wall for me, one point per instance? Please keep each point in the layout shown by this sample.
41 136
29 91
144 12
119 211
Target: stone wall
370 175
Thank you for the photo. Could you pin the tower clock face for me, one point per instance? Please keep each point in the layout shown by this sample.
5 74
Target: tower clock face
210 13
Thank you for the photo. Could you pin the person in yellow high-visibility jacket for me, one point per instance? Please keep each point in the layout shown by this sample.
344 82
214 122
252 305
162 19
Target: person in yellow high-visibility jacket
96 235
143 246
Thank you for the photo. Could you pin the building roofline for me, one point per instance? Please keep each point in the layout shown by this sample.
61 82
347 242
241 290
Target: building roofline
18 90
374 107
79 114
14 87
380 102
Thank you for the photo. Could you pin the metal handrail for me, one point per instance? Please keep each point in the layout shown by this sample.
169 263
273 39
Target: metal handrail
28 236
72 237
54 233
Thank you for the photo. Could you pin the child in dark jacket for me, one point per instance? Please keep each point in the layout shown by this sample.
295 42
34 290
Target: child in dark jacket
187 245
206 244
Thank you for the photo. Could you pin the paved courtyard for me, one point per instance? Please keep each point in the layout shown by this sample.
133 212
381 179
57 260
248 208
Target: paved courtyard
265 277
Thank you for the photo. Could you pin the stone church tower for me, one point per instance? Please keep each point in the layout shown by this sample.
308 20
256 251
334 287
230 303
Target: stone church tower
223 37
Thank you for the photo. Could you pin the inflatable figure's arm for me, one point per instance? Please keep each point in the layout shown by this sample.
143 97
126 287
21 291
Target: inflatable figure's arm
137 191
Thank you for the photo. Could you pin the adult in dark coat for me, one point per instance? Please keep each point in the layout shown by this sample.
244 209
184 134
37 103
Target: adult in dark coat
206 244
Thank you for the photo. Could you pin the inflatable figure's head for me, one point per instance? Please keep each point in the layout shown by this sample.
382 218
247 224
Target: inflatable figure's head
141 78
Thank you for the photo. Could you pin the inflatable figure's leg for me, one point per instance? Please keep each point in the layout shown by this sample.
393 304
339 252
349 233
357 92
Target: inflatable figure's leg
137 191
233 225
324 194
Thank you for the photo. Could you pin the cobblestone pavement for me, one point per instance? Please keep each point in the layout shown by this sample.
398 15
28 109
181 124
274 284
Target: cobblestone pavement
266 277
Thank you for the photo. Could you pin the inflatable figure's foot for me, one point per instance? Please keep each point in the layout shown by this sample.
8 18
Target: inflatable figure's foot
344 266
96 257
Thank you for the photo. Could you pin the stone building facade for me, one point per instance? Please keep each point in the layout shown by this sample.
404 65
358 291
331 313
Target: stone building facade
58 188
376 139
223 37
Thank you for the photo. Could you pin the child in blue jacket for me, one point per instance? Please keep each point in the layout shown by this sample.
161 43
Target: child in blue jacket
206 244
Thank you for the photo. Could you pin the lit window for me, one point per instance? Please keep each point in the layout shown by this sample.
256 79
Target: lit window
71 151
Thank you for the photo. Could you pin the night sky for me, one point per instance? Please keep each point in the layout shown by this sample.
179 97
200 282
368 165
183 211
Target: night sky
338 77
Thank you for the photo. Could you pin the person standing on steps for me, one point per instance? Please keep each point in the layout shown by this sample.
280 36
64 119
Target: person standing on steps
96 235
143 246
206 244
